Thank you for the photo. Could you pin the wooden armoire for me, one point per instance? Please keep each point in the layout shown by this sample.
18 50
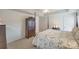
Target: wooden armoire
3 44
30 27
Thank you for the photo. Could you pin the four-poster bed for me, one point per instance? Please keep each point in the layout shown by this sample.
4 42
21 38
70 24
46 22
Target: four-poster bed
52 39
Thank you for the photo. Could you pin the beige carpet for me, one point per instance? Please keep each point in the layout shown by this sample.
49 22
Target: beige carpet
21 44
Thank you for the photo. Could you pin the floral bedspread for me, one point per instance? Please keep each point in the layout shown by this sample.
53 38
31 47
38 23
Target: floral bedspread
54 39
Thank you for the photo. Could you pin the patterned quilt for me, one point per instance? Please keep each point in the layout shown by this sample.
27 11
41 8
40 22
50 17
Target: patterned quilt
54 39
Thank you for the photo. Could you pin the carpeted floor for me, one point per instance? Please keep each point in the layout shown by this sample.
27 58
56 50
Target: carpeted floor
21 44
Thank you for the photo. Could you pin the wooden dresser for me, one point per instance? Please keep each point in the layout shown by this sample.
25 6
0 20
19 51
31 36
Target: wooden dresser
3 37
30 27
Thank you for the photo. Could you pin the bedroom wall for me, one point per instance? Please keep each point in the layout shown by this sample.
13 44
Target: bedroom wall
15 24
63 20
42 23
55 20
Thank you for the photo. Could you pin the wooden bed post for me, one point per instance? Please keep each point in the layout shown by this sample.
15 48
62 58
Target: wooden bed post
76 19
48 21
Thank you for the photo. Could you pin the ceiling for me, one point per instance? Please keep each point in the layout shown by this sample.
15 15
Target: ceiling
40 12
37 11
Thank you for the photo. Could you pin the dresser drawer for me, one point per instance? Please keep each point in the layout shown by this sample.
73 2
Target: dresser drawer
3 45
2 37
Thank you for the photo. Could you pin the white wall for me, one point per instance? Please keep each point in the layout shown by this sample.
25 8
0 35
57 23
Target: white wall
63 20
15 24
42 23
55 20
68 22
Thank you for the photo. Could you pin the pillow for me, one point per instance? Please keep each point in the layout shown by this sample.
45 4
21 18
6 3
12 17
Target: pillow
75 29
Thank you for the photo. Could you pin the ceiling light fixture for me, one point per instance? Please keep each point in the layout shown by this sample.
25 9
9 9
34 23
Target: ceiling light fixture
46 11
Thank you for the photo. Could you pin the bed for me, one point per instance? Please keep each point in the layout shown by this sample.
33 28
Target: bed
55 39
